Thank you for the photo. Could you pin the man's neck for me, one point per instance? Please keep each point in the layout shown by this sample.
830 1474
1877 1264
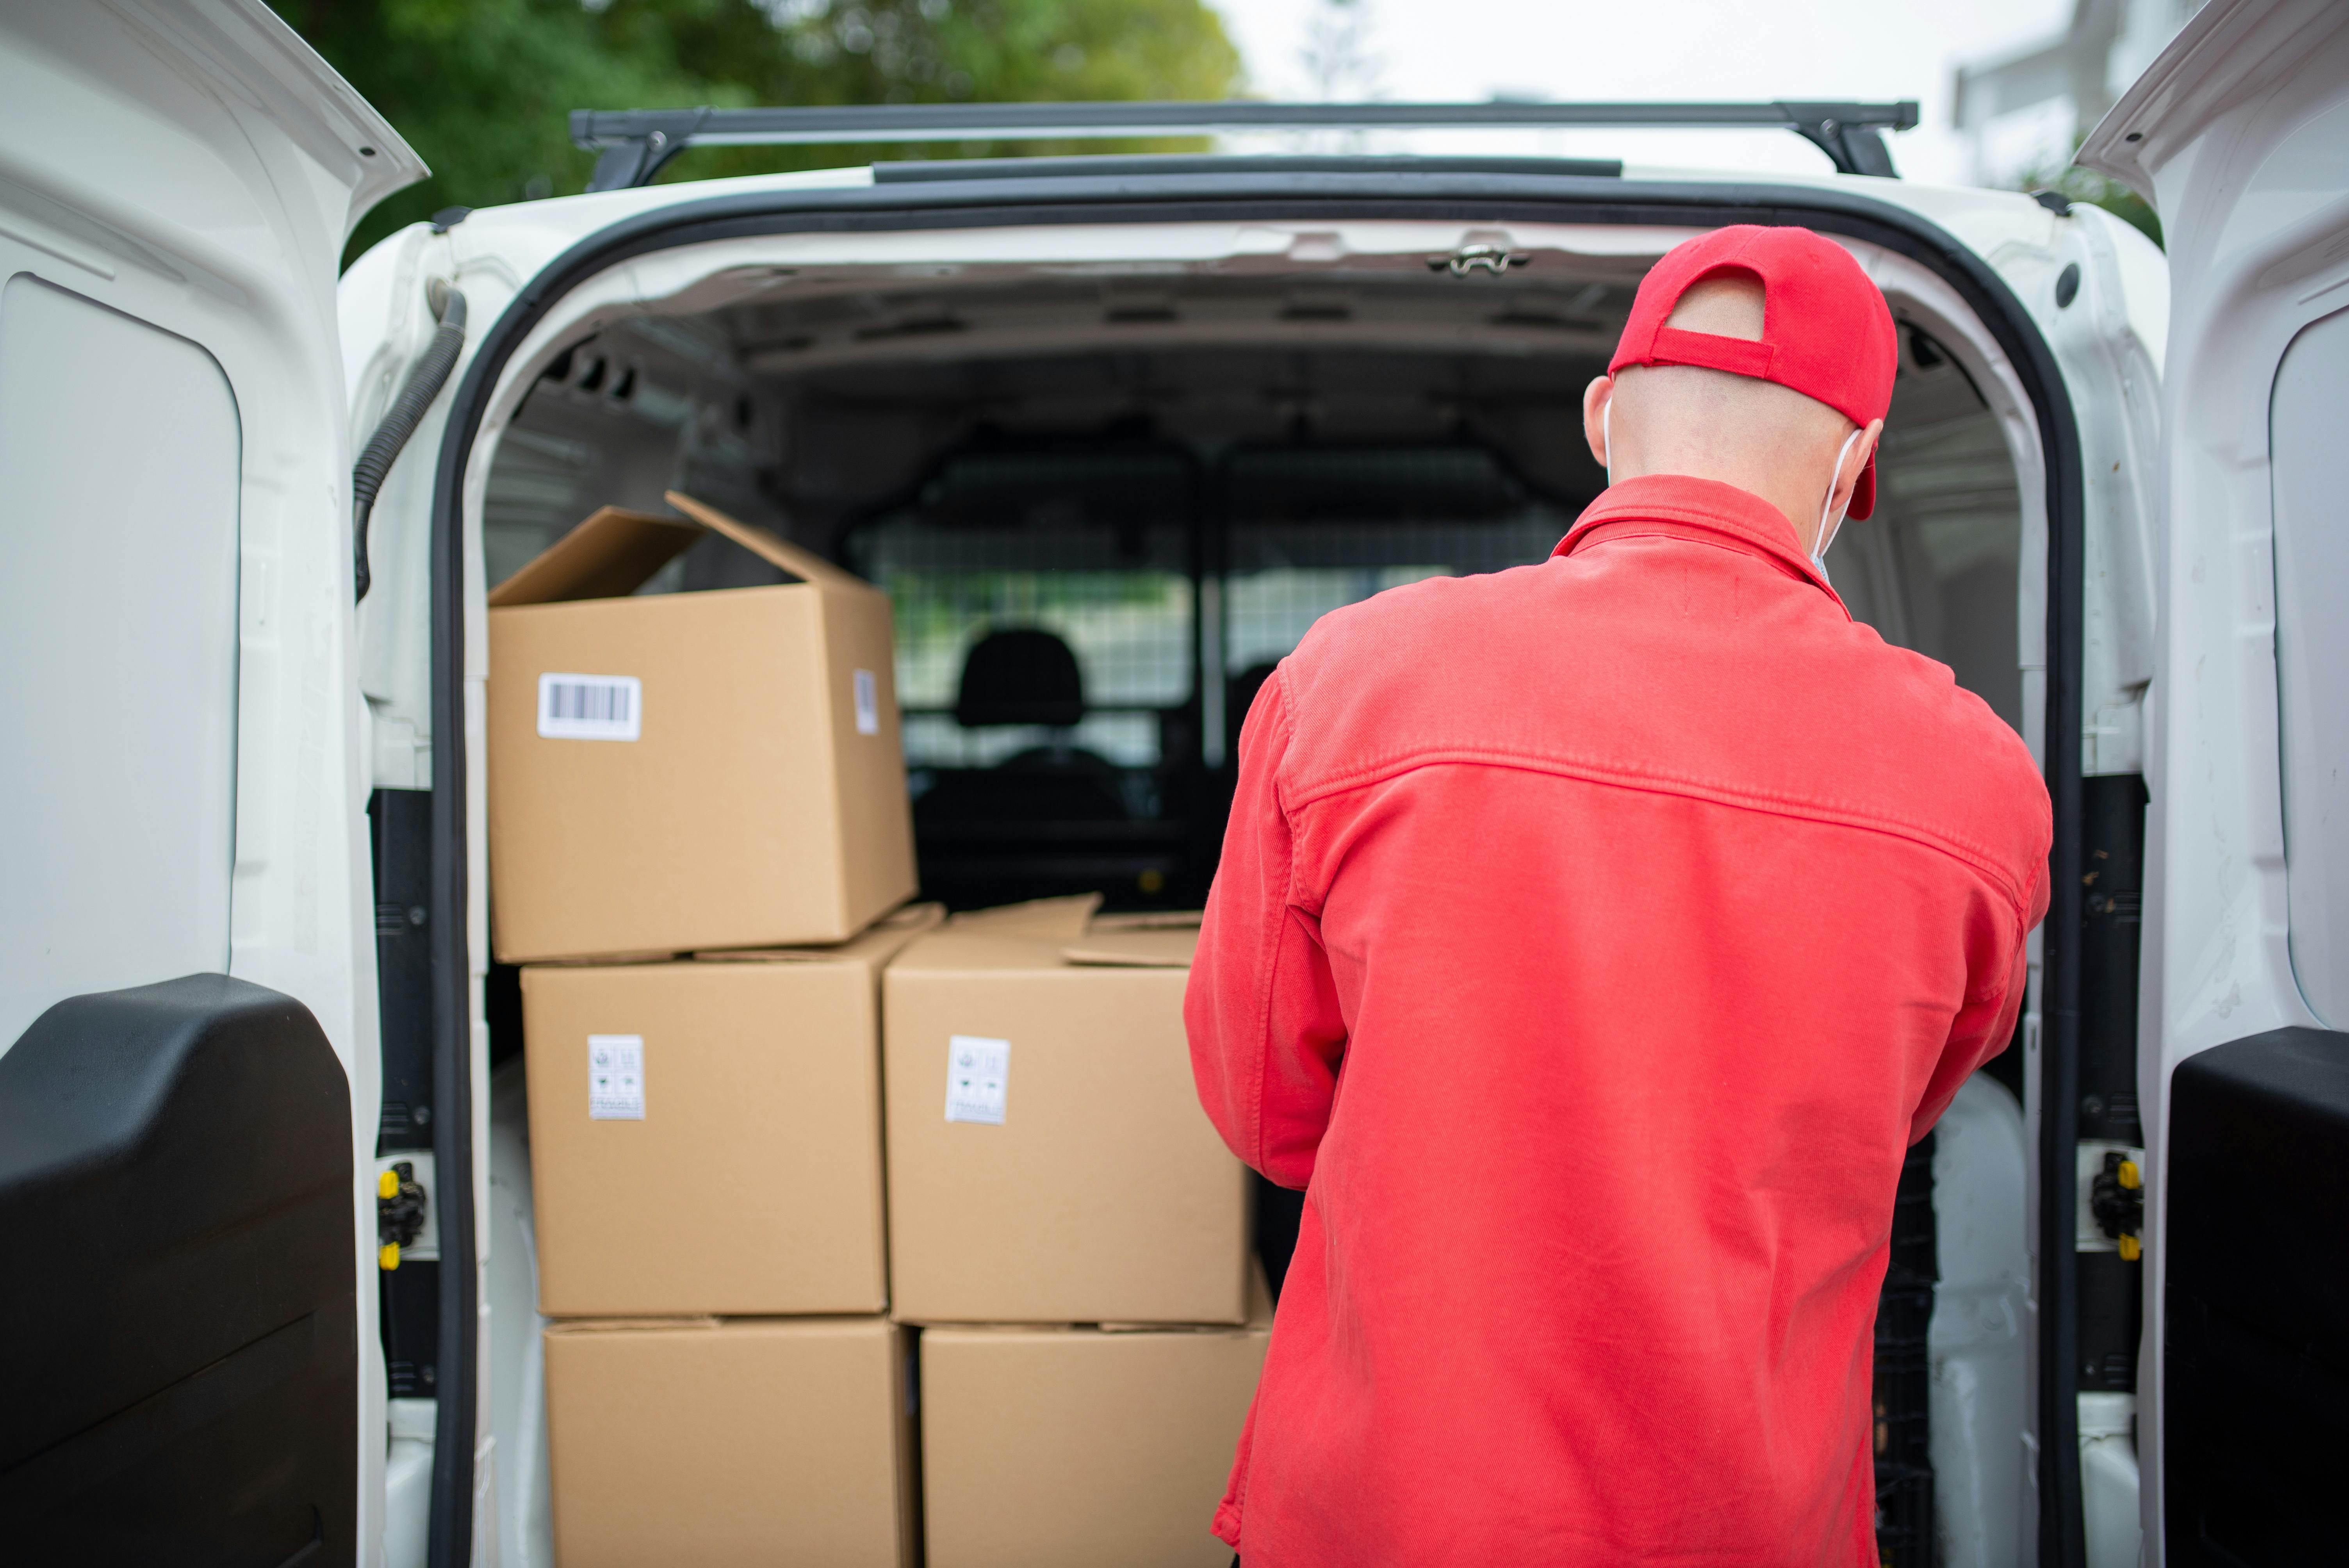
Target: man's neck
1754 484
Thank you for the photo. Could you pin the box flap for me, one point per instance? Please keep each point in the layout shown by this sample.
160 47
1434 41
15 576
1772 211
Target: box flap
616 552
875 945
803 564
1150 920
1143 948
610 554
915 917
571 1325
1064 918
602 961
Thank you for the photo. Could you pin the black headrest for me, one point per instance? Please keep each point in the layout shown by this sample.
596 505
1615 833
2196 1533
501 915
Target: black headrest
1025 676
1239 697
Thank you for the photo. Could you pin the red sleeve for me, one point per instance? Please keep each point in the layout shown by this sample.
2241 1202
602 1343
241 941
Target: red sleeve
1985 1025
1262 1009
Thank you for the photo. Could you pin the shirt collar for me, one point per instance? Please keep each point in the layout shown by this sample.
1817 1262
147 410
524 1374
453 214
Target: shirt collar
1679 504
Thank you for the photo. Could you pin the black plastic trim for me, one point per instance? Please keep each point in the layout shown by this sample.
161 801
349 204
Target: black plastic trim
2063 1524
2255 1336
1223 165
450 1009
179 1334
633 145
1299 194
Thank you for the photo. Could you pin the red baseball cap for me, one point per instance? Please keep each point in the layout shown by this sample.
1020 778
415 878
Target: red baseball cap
1826 332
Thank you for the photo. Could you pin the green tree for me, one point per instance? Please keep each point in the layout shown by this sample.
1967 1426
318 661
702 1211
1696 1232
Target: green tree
2097 190
482 88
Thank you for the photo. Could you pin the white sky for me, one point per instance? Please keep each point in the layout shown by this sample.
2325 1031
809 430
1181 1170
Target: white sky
1731 49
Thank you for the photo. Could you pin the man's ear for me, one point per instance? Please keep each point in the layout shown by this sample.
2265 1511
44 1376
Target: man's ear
1595 399
1855 463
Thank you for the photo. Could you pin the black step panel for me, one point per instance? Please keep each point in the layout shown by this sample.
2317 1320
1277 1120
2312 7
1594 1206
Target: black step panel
400 832
179 1344
2255 1349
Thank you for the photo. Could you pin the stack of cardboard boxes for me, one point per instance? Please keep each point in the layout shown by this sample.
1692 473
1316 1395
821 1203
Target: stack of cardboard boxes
867 1233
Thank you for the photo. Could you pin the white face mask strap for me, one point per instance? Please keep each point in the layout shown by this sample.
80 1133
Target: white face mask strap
1829 518
1607 435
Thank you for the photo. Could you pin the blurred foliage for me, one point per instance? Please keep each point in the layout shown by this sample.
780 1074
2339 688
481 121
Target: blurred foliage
484 88
2099 191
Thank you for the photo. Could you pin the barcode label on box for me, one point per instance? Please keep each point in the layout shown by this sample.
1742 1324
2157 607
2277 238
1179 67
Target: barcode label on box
616 1078
868 703
590 708
978 1072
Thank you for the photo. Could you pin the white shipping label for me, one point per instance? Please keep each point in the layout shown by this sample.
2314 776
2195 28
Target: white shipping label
868 704
590 708
616 1078
978 1071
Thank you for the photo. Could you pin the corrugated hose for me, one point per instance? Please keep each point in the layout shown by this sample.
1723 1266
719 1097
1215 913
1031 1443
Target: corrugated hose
399 422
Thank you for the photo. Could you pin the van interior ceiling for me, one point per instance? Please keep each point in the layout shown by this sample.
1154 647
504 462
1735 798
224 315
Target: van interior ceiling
1104 506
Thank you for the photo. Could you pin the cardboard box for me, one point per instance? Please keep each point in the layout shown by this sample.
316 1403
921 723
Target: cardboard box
705 1135
719 1444
690 770
1048 1161
1072 1447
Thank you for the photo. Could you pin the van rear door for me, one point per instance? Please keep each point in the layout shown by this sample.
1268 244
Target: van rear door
2239 134
186 995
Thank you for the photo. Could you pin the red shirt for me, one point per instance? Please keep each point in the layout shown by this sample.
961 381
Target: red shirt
1591 940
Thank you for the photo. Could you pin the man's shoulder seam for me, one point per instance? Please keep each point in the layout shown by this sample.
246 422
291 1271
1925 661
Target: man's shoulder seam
1980 857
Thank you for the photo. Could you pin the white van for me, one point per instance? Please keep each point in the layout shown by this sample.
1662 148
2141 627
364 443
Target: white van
1173 407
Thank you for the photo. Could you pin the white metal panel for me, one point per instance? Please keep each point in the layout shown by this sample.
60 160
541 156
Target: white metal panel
1978 1340
117 641
2240 135
2309 429
517 1349
193 166
2110 1480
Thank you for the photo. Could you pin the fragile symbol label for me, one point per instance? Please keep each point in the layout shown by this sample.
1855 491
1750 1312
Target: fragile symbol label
868 703
978 1070
616 1078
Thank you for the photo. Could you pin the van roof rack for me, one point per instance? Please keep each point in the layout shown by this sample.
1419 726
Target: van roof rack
632 144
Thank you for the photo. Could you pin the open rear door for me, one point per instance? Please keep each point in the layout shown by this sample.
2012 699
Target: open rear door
187 1032
2239 134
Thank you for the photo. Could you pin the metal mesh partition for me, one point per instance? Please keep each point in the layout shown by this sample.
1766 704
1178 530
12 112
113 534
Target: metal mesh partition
1902 1390
1095 547
1312 530
1047 618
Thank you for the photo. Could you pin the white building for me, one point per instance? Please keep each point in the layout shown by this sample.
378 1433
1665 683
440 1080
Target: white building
2027 111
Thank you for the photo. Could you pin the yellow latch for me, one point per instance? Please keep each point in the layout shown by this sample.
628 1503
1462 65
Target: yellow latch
389 1256
2131 1248
387 1183
2127 1175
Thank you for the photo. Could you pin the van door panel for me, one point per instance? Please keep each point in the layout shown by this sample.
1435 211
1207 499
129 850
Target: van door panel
2240 135
118 769
181 791
2310 476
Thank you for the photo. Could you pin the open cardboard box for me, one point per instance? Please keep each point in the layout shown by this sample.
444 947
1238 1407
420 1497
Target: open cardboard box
690 770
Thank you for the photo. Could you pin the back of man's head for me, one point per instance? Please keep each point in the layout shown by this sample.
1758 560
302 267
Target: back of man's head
1760 358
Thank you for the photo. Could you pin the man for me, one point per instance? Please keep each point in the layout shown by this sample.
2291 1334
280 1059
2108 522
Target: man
1591 940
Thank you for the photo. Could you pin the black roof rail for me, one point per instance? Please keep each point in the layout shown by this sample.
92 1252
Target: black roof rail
634 144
